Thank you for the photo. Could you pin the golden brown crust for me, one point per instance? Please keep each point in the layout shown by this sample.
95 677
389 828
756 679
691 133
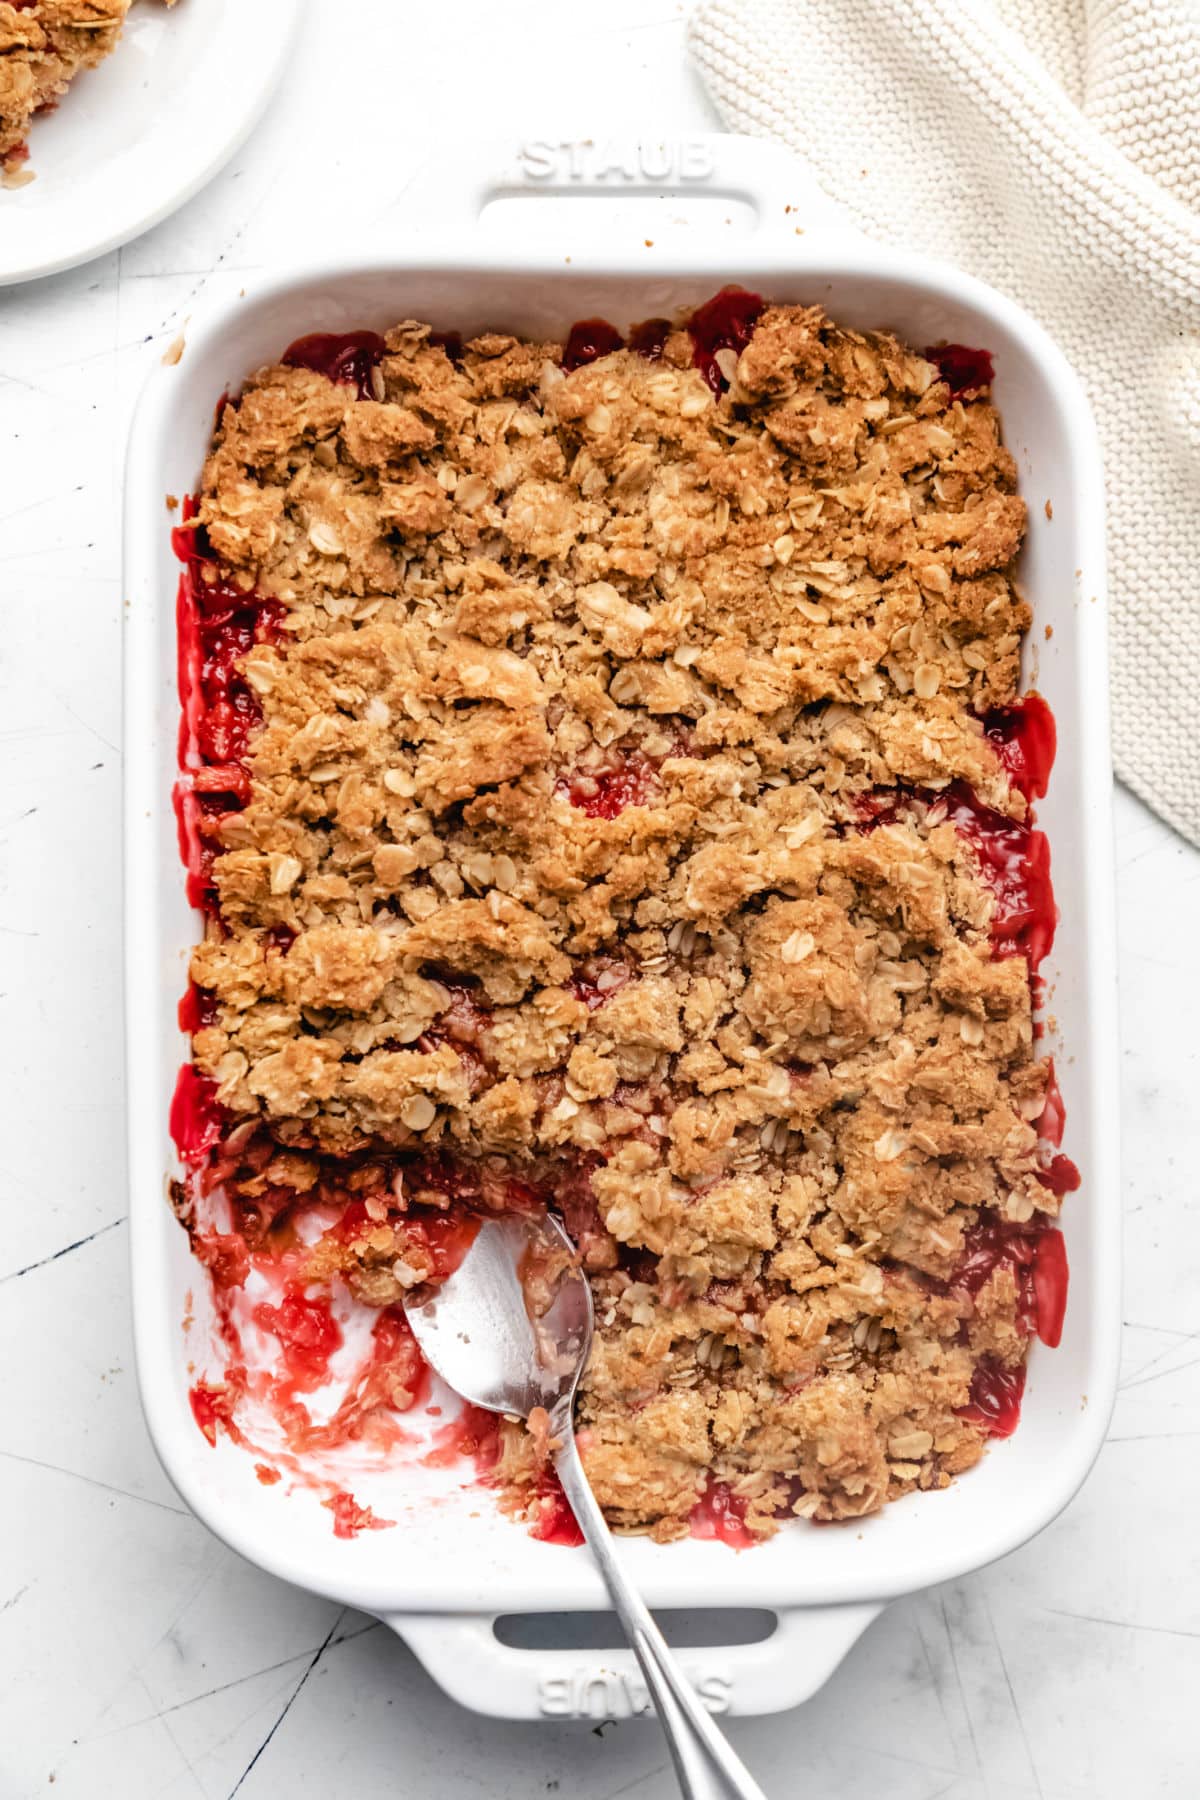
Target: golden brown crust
559 787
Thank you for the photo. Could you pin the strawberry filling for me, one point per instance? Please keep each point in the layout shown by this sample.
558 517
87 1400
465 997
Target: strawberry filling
348 357
965 371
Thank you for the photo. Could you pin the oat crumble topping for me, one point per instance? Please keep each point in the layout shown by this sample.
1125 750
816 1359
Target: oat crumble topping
597 816
43 46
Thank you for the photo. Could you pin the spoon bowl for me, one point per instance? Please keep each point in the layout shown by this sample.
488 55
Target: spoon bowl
510 1330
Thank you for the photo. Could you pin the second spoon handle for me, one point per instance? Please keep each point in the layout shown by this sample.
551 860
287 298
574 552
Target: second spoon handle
706 1766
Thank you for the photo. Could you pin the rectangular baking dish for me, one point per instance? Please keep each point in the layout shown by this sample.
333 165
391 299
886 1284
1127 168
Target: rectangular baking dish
453 1563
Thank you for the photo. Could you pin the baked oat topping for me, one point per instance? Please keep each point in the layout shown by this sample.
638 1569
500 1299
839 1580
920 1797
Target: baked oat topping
608 787
43 46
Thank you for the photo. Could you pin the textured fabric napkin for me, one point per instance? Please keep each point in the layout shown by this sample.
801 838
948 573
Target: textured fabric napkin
1053 148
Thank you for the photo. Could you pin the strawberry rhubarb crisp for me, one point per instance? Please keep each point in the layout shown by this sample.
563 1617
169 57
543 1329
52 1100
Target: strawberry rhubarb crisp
608 788
43 46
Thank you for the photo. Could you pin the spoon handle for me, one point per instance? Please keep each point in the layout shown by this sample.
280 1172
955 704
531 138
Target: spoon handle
706 1766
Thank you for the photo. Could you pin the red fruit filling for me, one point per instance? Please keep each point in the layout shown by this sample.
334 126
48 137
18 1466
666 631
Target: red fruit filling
721 1514
345 357
726 322
649 338
1014 861
197 1009
1060 1176
1025 739
1053 1116
217 623
588 340
604 793
196 1120
964 370
1013 858
1037 1257
554 1523
996 1390
597 980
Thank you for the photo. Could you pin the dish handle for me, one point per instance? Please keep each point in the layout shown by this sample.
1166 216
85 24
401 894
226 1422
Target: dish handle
467 1660
689 175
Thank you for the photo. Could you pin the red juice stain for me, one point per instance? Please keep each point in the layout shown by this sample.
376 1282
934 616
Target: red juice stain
267 1475
394 1348
721 1514
212 1409
726 322
996 1391
1025 739
587 340
196 1120
964 370
349 1518
346 357
605 793
474 1434
393 1379
308 1334
649 337
225 1256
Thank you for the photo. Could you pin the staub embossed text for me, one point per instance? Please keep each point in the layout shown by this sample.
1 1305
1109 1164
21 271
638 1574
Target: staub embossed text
597 160
613 1694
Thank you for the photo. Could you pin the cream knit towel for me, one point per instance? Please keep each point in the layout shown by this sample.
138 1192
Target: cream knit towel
1053 148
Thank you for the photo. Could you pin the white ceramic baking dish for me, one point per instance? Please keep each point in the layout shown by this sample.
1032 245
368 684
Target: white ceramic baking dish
728 210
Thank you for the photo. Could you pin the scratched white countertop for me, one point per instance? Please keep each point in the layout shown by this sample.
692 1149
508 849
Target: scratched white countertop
138 1657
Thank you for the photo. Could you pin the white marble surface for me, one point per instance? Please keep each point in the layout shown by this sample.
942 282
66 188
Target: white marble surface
138 1658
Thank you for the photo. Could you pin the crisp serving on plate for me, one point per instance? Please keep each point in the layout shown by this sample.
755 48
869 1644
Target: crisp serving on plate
44 44
607 784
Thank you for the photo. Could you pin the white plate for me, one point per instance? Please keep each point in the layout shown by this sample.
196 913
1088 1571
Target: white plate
134 139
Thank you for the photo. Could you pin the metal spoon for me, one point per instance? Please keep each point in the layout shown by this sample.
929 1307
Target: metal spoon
510 1331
